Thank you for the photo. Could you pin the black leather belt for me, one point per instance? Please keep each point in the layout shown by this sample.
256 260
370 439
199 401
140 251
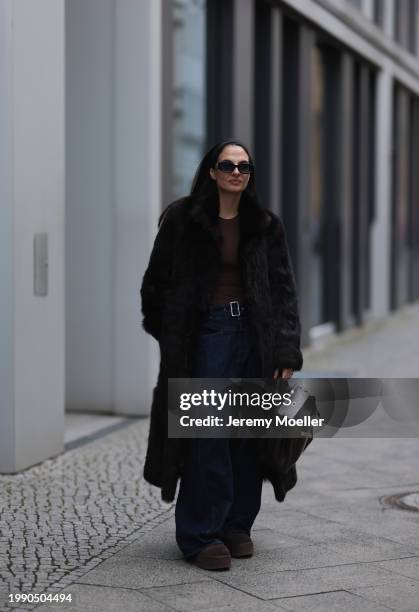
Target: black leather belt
234 308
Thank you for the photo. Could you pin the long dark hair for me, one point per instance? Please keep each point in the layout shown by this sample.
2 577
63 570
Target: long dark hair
203 187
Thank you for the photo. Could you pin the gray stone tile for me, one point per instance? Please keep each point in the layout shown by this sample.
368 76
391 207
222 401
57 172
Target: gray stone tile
365 350
323 532
158 544
288 521
365 547
398 525
312 497
317 555
401 595
256 606
405 567
91 503
271 539
334 601
90 598
383 529
131 572
203 596
272 585
354 477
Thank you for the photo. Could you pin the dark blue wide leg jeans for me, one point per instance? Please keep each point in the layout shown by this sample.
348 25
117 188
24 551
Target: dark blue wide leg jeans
220 489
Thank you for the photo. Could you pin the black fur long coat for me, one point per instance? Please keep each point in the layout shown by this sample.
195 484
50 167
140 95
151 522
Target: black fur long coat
175 292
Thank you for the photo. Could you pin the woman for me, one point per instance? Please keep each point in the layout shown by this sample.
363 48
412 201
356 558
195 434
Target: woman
219 295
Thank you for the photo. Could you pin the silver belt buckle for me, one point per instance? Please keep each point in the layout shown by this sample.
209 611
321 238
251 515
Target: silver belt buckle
237 313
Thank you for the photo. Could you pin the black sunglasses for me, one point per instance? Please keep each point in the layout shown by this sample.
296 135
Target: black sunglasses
227 166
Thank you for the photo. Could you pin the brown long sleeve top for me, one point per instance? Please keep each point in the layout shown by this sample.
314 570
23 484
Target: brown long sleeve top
229 286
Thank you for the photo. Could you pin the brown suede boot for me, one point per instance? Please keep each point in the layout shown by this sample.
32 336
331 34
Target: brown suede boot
213 557
240 545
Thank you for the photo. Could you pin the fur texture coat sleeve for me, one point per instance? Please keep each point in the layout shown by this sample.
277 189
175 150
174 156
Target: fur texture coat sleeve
157 276
284 298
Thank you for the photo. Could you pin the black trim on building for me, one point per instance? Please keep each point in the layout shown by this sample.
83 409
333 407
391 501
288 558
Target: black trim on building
219 71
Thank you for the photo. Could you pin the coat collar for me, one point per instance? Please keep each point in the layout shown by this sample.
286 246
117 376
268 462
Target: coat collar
253 218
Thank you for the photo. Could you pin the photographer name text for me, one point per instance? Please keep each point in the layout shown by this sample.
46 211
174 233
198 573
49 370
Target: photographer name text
278 421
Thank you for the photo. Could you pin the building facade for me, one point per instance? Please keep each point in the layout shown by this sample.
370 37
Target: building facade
326 94
107 108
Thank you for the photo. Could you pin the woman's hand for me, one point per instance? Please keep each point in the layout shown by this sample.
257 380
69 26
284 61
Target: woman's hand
286 373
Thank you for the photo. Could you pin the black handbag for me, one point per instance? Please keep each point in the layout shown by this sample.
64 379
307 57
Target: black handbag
280 454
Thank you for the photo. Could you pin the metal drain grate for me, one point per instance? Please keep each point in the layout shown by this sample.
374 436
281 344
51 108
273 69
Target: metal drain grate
405 501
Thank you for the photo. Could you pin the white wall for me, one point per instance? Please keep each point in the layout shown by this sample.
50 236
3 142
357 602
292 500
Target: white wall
89 203
32 160
7 298
137 195
112 200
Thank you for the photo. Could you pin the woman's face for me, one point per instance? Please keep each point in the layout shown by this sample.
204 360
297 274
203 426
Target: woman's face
232 182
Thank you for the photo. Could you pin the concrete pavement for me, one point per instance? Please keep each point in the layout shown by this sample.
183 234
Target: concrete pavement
388 348
336 543
332 545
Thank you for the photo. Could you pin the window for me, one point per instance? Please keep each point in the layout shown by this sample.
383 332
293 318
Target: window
378 12
355 3
405 218
405 24
188 91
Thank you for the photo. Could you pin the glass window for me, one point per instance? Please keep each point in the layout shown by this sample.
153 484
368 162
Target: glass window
356 3
378 12
318 196
189 91
413 26
401 193
405 24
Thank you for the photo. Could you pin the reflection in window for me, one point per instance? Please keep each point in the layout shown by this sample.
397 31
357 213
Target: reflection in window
405 24
356 3
188 102
401 197
378 14
317 175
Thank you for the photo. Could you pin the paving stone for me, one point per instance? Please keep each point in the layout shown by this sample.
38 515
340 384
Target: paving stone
365 351
203 596
104 599
60 515
88 516
126 571
272 585
255 606
334 601
405 567
402 595
398 525
270 539
317 555
322 533
157 544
